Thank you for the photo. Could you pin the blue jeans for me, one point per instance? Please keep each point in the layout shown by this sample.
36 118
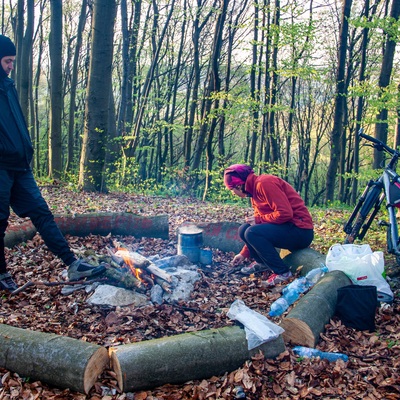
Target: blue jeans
263 239
19 190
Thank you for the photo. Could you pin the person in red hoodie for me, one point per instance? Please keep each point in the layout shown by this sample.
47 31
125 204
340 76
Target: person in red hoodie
280 220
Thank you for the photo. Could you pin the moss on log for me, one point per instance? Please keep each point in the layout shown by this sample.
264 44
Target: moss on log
181 358
306 321
57 360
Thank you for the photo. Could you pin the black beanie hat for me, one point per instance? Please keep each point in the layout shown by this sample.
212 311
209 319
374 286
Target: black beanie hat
7 47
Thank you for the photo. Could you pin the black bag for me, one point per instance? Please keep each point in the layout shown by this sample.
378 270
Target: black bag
356 306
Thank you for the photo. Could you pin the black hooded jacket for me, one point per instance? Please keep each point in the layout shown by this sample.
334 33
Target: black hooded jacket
16 149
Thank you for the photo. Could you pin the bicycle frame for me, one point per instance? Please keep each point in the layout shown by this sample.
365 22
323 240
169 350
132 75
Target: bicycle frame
376 192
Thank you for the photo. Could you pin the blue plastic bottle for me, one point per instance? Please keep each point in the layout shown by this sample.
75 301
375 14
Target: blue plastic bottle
310 352
278 307
315 274
300 285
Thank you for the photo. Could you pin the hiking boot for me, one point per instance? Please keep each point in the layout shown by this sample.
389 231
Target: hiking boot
7 282
253 268
274 279
80 269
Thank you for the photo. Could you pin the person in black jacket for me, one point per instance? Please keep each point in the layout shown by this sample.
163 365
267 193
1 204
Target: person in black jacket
18 188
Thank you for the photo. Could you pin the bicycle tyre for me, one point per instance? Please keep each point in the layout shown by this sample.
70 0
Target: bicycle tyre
372 203
393 242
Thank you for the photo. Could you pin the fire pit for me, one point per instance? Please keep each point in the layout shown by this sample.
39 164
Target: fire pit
167 279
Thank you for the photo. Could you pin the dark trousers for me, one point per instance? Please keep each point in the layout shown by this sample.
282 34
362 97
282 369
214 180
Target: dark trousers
263 239
19 190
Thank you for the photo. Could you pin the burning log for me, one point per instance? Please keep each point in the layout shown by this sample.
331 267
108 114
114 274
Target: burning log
57 360
128 281
136 260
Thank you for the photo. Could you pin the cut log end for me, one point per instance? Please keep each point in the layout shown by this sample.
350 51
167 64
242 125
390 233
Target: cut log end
297 332
116 366
95 366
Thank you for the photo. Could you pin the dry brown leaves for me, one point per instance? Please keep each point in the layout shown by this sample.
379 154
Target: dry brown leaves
372 371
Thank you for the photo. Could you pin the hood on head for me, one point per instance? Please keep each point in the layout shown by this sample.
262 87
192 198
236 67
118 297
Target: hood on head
236 175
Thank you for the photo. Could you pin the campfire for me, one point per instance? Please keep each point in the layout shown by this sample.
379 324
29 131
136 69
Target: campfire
167 279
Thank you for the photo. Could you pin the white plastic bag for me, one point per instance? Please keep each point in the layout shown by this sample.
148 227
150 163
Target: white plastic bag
361 265
259 329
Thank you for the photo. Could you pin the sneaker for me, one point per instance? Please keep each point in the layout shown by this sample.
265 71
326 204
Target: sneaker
253 268
7 282
274 279
80 269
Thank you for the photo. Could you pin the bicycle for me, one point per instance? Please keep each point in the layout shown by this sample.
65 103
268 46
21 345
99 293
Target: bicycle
385 188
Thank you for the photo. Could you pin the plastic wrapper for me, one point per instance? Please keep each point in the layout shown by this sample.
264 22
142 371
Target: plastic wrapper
259 329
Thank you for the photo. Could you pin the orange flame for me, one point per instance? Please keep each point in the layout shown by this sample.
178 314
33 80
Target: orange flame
129 263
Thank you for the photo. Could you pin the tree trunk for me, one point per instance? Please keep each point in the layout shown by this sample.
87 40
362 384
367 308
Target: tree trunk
56 96
381 126
360 106
272 135
24 77
74 87
180 358
91 174
337 130
56 360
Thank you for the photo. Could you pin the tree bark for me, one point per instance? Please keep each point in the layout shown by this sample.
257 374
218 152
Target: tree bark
180 358
381 126
306 321
305 260
97 224
221 235
56 95
57 360
91 173
337 130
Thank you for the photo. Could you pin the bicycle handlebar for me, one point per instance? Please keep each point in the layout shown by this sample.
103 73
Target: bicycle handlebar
377 144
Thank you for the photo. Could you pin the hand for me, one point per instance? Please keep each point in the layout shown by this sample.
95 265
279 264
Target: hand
237 259
251 220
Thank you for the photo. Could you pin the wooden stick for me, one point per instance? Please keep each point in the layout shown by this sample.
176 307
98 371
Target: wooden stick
66 283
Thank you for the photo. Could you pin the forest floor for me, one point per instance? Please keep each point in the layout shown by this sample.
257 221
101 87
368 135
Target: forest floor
372 371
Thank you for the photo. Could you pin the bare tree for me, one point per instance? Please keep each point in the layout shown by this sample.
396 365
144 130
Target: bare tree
56 94
337 130
74 86
91 173
381 126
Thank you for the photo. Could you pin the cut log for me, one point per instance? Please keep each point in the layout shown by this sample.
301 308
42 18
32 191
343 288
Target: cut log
16 234
125 224
221 235
306 321
303 260
60 361
180 358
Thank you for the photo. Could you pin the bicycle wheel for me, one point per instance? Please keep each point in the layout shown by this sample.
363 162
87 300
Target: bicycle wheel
392 235
366 215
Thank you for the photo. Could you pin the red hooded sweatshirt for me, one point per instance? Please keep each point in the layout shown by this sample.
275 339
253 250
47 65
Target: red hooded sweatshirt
275 202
